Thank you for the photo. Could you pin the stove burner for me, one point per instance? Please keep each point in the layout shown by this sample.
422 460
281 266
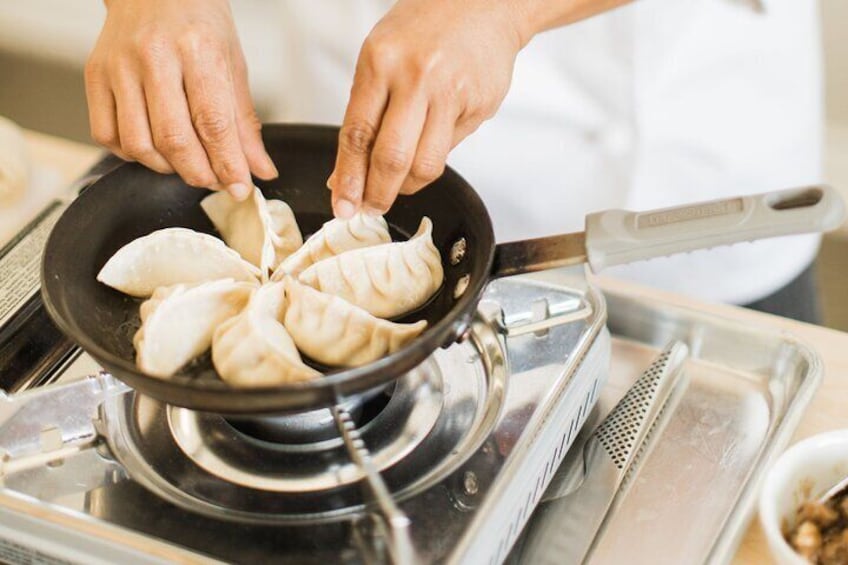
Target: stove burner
91 468
291 469
314 426
214 444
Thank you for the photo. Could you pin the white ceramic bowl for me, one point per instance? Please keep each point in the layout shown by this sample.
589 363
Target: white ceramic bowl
804 472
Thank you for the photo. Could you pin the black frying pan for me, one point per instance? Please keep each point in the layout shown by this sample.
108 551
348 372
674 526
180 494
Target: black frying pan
132 201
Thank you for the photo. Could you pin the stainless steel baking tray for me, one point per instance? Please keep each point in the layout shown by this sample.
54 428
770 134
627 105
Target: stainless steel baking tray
693 495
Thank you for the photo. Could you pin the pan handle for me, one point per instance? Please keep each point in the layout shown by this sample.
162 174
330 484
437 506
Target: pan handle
531 255
617 237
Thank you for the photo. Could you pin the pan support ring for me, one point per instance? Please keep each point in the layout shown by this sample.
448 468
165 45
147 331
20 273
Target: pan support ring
213 444
438 416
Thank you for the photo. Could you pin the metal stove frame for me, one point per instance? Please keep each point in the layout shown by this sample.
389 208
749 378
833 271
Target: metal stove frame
545 330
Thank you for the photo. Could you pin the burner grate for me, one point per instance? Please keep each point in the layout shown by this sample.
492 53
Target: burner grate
314 426
436 417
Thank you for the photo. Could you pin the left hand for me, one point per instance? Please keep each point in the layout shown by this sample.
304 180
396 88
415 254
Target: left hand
429 73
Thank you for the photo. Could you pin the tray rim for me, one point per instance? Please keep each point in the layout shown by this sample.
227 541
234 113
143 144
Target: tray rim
729 537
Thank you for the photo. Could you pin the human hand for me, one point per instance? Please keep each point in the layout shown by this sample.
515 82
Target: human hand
167 86
429 73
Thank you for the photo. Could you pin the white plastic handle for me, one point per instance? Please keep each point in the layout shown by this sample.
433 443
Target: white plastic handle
617 237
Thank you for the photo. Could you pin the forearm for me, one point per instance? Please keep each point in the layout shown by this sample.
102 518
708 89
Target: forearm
536 16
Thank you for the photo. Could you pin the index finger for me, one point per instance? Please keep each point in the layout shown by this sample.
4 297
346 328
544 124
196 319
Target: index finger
394 149
356 138
211 100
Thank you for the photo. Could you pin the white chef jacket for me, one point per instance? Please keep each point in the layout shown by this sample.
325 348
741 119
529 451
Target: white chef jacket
655 104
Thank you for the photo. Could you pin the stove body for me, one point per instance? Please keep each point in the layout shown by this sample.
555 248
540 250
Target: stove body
463 446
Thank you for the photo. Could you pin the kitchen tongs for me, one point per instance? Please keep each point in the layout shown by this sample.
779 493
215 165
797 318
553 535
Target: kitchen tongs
566 527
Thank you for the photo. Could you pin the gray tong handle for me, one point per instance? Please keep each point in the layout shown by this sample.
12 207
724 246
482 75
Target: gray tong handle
617 237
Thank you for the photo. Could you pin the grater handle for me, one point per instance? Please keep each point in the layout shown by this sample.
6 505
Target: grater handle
617 237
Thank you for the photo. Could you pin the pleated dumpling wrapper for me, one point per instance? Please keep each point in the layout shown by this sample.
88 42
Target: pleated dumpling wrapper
335 237
264 232
173 256
385 280
253 349
337 333
178 322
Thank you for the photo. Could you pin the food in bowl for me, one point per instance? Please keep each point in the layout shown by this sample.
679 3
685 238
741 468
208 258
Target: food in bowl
820 534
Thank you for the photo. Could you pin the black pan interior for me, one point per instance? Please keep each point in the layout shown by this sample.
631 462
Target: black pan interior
133 201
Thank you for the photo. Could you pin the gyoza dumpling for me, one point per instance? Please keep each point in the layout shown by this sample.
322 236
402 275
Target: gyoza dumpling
177 322
335 332
254 349
386 280
285 233
173 256
263 232
335 237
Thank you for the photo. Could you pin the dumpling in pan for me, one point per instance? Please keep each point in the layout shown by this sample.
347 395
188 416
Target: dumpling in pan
253 349
285 233
386 280
263 232
335 237
337 333
177 322
173 256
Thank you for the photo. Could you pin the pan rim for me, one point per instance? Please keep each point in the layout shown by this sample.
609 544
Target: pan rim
338 382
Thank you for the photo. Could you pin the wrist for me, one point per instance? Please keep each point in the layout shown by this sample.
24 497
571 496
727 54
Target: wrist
535 16
524 22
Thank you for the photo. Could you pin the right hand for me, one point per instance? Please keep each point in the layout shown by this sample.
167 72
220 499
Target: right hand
167 86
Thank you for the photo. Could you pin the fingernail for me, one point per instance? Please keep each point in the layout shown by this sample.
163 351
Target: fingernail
239 191
271 166
344 209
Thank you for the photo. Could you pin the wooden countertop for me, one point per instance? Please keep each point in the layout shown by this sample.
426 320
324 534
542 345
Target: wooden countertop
827 411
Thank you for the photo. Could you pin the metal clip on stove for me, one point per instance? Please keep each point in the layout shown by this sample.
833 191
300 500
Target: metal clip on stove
67 426
396 523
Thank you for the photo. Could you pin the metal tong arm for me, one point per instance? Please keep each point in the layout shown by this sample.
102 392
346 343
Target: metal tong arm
397 523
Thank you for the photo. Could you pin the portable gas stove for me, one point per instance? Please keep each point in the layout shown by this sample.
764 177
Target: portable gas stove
445 465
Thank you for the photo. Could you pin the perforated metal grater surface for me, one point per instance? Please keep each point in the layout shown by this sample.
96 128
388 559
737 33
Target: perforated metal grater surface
619 433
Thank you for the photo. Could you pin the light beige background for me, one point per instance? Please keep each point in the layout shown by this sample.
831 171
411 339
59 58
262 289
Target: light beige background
833 258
